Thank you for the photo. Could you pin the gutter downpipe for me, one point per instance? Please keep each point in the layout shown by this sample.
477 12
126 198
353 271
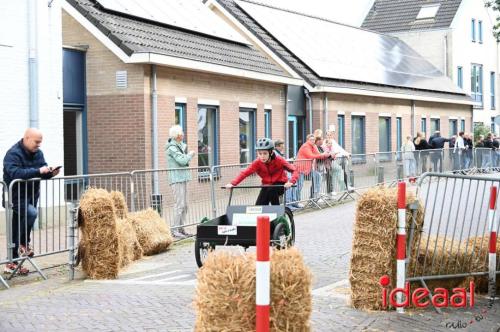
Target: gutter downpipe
413 119
33 64
154 128
309 110
325 113
287 113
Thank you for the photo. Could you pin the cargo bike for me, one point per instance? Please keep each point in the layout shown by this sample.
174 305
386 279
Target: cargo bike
239 225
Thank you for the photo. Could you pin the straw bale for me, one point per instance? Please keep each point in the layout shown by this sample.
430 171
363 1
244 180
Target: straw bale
374 244
225 294
130 247
152 232
121 208
444 256
101 259
478 258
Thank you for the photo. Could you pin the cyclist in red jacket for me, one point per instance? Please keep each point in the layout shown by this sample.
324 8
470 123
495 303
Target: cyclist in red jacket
272 170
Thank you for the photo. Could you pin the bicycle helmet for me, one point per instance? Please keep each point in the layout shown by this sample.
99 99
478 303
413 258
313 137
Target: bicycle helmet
264 144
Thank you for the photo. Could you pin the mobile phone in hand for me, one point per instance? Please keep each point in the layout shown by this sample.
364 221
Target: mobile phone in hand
56 168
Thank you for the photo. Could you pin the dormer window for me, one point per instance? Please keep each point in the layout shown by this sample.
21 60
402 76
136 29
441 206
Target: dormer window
428 12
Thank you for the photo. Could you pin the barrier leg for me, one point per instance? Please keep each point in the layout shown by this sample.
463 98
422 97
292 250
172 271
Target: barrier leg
263 275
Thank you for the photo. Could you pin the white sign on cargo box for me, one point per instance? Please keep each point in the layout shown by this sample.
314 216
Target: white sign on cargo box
227 230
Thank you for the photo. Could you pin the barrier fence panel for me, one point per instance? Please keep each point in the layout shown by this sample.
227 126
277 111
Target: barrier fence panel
39 209
224 175
3 222
163 190
454 238
363 170
487 158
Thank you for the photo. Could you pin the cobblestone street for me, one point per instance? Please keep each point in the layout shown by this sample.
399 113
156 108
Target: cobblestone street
156 293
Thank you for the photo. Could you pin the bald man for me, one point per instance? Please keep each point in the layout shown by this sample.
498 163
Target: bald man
25 161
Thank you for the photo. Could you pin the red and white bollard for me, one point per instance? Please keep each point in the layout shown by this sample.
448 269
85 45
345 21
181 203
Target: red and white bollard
492 227
401 243
263 275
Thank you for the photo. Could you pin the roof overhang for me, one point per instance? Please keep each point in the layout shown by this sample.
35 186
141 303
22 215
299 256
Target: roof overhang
255 40
394 95
165 60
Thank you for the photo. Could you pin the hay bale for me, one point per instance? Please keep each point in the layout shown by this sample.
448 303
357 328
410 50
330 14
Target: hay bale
121 208
478 252
152 232
444 256
101 259
130 247
374 244
225 293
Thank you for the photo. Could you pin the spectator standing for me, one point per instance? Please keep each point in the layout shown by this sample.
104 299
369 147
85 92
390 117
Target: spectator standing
24 160
408 150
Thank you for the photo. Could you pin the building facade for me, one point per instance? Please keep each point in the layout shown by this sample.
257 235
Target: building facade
456 37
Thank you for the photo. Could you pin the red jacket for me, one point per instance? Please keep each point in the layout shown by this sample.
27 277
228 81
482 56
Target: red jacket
306 153
270 172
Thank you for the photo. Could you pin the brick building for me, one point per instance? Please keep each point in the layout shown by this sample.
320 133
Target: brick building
226 88
371 88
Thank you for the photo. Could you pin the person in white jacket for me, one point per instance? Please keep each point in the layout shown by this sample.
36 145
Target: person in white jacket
408 150
459 152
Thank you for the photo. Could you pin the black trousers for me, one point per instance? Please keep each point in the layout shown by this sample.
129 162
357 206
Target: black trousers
270 195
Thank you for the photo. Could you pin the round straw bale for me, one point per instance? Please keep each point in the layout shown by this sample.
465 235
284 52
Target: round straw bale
102 247
374 244
130 247
225 293
152 232
121 208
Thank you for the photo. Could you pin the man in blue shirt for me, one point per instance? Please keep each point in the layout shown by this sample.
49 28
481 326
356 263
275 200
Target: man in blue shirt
24 161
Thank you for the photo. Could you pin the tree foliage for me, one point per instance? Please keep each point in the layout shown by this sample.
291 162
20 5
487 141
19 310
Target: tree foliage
495 5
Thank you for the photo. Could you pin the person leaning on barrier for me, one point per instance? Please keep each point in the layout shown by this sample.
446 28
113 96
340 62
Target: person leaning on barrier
177 157
279 147
421 145
437 143
24 161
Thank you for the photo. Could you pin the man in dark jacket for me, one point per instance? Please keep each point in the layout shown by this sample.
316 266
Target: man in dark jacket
437 144
25 161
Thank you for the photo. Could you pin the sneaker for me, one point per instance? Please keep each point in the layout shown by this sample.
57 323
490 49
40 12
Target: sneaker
333 194
11 267
299 205
26 251
178 235
350 189
186 234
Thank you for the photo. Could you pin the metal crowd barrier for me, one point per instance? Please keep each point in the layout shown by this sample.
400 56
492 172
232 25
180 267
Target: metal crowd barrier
321 183
453 242
155 189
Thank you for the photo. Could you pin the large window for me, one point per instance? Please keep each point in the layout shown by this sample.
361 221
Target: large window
399 134
384 137
296 134
267 124
462 125
358 135
247 135
477 83
473 30
460 77
492 89
423 125
435 126
341 130
480 31
453 128
180 116
207 136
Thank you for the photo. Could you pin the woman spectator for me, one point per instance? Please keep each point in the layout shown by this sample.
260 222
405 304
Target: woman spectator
421 155
408 150
178 158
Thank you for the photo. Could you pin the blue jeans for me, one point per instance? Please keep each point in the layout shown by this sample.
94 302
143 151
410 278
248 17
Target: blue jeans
316 184
295 193
23 219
